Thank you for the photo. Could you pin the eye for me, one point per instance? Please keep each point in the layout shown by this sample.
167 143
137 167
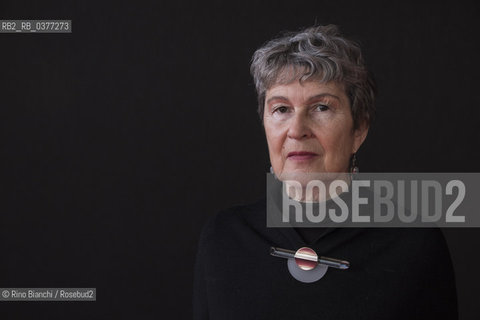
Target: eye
280 109
321 107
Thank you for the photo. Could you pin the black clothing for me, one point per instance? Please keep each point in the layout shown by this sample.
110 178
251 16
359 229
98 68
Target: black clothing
395 273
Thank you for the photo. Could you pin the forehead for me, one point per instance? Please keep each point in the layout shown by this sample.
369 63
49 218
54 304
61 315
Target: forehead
305 89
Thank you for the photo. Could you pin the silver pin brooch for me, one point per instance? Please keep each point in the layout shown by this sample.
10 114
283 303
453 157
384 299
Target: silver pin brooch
305 265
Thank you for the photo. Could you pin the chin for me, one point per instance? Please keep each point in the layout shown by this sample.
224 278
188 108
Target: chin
304 176
301 176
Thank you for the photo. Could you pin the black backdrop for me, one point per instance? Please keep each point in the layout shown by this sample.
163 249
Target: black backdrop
120 139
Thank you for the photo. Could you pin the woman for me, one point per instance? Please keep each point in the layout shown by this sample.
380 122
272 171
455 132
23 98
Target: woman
316 101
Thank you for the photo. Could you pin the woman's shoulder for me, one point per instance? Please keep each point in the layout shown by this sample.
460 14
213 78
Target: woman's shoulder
419 246
234 219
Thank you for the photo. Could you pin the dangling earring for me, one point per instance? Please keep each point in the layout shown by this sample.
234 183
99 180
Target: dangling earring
274 175
354 167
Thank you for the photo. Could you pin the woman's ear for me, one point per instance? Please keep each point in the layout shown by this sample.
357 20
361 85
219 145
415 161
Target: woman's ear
359 136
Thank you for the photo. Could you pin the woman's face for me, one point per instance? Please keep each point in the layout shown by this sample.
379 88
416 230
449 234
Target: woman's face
309 128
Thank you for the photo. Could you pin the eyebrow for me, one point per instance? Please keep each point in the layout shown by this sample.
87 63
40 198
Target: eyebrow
321 95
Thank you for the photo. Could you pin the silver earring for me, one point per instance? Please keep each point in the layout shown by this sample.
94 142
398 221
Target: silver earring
272 172
354 167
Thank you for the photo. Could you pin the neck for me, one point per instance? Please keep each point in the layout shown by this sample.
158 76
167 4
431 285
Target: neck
318 187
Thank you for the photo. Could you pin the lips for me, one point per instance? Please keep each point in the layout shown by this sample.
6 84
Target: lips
301 155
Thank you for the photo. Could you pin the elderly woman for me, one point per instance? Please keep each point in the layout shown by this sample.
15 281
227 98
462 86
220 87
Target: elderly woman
316 101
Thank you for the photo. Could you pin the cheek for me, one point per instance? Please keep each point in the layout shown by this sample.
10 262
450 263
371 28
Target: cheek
275 143
275 147
274 139
338 143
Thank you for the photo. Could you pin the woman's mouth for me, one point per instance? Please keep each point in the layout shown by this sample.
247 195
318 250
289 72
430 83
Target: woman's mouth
301 155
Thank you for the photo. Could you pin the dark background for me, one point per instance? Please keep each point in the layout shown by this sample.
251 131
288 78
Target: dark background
120 139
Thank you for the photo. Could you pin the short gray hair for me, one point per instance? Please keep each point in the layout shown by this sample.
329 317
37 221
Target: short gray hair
318 52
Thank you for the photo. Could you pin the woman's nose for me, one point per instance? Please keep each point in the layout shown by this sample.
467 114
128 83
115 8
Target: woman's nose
299 127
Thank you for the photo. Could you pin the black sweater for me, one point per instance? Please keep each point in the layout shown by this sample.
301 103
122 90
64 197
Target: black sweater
395 273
